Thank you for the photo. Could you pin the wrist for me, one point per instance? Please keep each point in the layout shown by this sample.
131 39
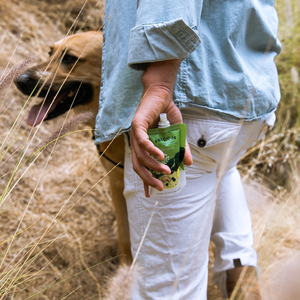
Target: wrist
161 75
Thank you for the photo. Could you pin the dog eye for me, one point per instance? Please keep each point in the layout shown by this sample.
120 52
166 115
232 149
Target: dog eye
69 59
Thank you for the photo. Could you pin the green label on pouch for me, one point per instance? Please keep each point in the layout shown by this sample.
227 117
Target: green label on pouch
171 141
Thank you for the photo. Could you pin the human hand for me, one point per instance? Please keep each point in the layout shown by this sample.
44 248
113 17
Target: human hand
159 80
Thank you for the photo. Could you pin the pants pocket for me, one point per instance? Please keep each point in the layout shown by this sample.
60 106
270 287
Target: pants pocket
209 141
207 133
267 125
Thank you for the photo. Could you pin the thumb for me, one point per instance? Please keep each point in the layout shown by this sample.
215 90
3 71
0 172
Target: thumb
188 160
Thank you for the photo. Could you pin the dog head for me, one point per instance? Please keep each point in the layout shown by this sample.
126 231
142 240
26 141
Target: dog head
69 78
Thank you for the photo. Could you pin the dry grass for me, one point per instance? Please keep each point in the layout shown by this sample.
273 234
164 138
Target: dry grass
122 284
58 234
57 240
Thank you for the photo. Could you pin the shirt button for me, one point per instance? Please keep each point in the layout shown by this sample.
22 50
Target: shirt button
201 142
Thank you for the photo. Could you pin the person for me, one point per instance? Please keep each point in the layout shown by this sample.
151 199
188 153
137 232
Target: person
209 64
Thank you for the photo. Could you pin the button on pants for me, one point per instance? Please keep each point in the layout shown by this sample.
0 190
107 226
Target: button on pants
173 259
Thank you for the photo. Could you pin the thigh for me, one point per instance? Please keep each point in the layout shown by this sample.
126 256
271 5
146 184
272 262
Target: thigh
232 205
174 254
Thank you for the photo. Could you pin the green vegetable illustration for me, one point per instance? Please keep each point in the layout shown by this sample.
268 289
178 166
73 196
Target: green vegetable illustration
169 181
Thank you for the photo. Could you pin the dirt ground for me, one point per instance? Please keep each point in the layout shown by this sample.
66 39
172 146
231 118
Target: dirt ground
58 232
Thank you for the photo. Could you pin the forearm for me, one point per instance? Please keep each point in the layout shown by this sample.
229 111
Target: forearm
159 80
162 73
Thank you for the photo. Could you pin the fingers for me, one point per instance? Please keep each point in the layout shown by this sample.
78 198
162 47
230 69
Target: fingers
140 140
146 175
142 151
142 147
142 162
188 160
158 80
146 189
174 114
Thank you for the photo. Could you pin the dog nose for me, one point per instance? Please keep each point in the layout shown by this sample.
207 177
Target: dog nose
25 83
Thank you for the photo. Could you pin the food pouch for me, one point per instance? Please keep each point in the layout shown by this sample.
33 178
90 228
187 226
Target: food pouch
171 141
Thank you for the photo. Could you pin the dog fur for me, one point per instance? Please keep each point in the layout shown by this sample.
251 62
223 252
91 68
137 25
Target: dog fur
74 69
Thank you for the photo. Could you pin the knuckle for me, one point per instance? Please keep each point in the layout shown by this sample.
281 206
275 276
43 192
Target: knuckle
142 143
135 123
135 169
140 157
145 162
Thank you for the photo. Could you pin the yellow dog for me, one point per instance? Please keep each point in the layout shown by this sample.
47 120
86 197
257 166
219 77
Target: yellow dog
70 79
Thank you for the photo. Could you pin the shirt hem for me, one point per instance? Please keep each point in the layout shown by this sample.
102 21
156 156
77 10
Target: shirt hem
109 137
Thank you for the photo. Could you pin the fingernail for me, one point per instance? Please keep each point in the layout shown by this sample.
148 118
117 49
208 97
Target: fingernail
159 188
166 172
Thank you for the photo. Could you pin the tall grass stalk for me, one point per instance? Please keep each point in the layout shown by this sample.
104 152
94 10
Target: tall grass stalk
282 144
4 83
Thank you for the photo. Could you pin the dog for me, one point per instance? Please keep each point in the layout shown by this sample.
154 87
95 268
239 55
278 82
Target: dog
70 79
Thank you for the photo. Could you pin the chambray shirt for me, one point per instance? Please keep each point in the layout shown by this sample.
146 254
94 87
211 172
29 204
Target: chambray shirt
228 47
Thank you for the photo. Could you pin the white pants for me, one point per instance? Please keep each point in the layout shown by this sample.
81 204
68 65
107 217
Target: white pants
174 255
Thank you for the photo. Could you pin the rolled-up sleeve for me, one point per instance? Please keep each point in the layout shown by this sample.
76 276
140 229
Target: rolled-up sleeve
163 34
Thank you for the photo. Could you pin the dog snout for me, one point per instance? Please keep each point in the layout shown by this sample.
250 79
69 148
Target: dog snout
26 83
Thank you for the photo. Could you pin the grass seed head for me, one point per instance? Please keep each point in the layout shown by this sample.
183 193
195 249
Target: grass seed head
122 284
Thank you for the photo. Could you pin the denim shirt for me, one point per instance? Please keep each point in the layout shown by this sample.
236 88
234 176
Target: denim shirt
228 47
